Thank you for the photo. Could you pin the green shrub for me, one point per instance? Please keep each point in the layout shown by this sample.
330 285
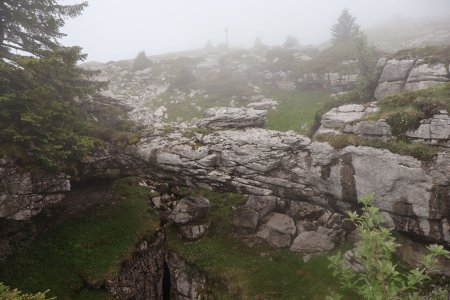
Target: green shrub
404 111
7 293
380 277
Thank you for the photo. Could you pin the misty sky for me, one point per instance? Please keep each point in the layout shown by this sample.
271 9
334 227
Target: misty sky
119 29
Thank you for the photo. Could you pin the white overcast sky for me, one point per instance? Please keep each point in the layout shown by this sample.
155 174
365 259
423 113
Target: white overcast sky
119 29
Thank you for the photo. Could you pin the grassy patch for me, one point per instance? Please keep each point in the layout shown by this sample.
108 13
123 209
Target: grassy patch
296 110
431 54
420 151
405 110
85 251
280 275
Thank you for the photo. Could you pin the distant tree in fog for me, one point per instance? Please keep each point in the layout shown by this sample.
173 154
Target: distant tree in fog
290 42
258 43
141 62
209 45
345 28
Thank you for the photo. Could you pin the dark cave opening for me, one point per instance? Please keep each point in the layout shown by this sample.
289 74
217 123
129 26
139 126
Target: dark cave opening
166 282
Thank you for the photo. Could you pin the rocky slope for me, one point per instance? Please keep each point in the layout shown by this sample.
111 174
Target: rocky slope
409 75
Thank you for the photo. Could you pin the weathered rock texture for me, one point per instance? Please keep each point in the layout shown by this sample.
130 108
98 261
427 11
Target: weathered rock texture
409 75
433 131
231 117
141 277
344 119
186 282
23 194
414 197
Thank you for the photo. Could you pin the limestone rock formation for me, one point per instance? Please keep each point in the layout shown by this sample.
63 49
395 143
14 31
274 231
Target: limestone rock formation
435 130
189 209
193 232
245 219
342 119
425 75
141 277
231 117
312 242
186 282
409 75
23 194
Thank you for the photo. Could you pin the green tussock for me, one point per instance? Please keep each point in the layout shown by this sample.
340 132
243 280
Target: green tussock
87 250
420 151
247 274
405 110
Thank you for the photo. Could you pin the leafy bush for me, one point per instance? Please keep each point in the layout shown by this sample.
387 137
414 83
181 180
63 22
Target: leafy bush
8 294
380 277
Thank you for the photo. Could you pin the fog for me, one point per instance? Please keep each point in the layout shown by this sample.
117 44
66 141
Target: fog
118 29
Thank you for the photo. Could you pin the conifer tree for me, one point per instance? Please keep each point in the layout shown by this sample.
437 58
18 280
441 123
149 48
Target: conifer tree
40 122
33 26
345 28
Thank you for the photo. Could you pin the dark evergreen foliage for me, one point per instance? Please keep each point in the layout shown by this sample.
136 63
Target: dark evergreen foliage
33 26
40 123
345 28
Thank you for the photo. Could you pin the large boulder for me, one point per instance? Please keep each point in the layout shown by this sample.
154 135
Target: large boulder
232 117
245 219
426 75
277 230
312 242
273 237
409 75
281 223
189 209
396 70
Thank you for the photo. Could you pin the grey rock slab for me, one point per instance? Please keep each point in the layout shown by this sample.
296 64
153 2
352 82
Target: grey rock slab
281 223
312 242
232 117
189 209
385 89
273 237
396 70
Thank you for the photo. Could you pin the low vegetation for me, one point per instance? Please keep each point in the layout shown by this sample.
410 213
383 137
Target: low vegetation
7 293
82 253
431 54
296 109
256 272
404 111
420 151
380 277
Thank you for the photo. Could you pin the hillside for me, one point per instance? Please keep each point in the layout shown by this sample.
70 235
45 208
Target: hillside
410 33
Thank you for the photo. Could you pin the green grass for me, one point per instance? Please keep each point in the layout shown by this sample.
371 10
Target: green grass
431 54
420 151
296 110
404 111
248 275
87 250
